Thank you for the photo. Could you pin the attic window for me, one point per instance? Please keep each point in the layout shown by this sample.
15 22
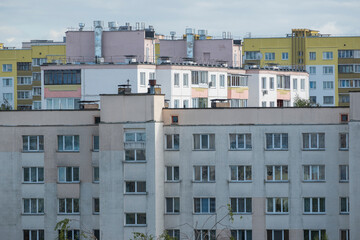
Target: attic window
344 117
174 119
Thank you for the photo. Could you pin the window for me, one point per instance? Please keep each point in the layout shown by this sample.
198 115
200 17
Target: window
312 85
204 141
344 205
36 91
142 79
263 104
24 66
328 99
283 81
276 141
176 103
172 141
312 55
314 205
313 99
328 85
135 137
263 83
222 80
269 56
313 141
135 219
135 187
328 70
295 83
344 117
199 77
71 234
212 81
345 234
96 174
346 54
173 205
176 80
172 173
240 141
135 155
33 206
236 80
238 102
253 55
36 105
271 79
96 205
97 234
277 234
314 234
185 103
204 173
327 55
7 82
277 205
312 70
241 234
344 98
61 77
68 174
205 234
38 61
344 173
185 80
68 143
33 174
346 68
241 205
7 67
34 235
24 80
95 143
152 75
24 94
240 173
277 173
204 205
63 103
344 141
36 76
284 56
302 84
174 119
173 233
33 143
69 206
314 173
272 104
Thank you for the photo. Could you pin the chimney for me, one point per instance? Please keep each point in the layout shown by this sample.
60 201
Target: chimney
190 43
98 40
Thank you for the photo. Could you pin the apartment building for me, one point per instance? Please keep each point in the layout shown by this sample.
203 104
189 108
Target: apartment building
20 72
135 166
184 85
332 61
201 48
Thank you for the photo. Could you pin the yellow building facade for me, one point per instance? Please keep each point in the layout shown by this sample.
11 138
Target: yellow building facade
20 75
332 62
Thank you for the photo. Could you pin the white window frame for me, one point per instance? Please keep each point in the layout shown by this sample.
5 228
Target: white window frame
38 61
272 83
222 80
173 233
310 231
328 56
27 143
283 232
24 94
344 234
137 189
211 201
312 85
174 207
176 80
96 171
319 144
39 178
328 97
73 203
174 176
38 206
316 173
345 200
284 205
246 139
208 145
244 202
176 103
142 79
284 56
282 145
269 56
210 172
7 67
212 83
240 232
36 91
312 55
136 218
328 70
275 169
172 138
96 209
96 143
311 201
40 235
295 81
23 80
244 169
65 172
312 70
185 80
36 105
346 168
302 84
74 147
7 82
263 83
328 85
344 137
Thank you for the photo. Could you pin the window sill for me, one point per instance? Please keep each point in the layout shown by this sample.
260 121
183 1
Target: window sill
68 214
40 151
67 151
171 213
214 213
344 181
33 182
274 149
96 213
203 181
242 213
135 193
344 213
172 150
204 150
77 182
94 150
134 161
314 181
343 149
135 225
173 181
32 214
314 213
234 181
96 182
240 149
315 149
276 181
277 213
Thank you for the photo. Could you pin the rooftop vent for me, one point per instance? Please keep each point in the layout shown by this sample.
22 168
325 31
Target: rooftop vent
130 59
124 88
81 26
113 26
202 34
164 60
172 34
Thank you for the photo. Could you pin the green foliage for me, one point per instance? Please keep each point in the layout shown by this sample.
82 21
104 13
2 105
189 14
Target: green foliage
143 236
300 102
64 226
5 107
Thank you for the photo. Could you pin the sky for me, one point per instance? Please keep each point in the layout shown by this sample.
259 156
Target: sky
23 20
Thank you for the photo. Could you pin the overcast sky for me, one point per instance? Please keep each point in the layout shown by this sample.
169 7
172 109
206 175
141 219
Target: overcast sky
23 20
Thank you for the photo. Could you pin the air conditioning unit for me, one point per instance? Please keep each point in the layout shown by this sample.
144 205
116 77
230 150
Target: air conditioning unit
264 92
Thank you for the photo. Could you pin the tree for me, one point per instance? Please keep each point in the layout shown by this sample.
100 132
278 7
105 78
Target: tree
300 102
64 226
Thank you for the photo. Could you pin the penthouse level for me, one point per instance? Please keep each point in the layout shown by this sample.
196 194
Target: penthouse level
287 173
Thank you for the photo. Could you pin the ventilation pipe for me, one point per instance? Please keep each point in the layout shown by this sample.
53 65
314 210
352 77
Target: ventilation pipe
98 40
190 43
